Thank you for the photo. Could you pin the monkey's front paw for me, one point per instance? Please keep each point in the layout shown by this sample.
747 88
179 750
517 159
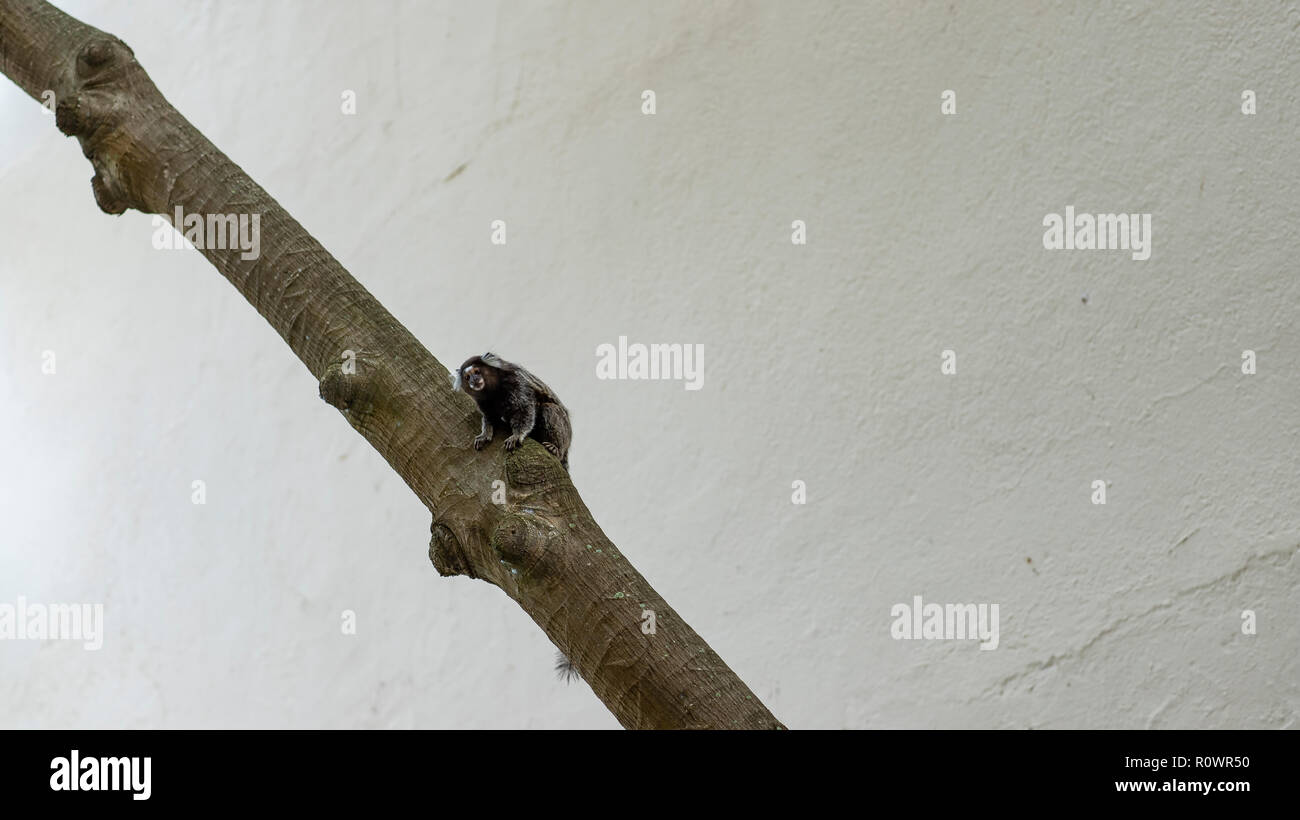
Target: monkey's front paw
513 441
481 441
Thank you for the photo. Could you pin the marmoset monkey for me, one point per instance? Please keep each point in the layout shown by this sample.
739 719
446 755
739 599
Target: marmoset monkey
508 396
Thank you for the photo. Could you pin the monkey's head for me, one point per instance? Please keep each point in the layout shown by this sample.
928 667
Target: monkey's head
477 377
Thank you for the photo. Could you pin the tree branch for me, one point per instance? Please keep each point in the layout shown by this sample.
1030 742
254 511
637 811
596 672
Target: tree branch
543 547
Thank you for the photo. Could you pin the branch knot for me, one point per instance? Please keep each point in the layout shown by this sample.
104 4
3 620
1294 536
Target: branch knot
93 107
349 387
445 552
520 541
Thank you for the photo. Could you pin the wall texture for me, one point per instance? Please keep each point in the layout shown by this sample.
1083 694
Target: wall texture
924 234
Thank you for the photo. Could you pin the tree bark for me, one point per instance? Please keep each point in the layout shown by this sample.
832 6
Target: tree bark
543 547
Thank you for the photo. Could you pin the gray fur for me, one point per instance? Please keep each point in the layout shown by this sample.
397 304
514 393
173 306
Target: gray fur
510 397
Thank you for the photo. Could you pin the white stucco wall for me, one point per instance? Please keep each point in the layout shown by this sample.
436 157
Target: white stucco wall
822 360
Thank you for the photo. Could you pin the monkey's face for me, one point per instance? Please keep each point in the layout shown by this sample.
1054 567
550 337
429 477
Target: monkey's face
473 379
476 377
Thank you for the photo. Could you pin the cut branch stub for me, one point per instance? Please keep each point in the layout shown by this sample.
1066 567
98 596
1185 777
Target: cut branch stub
101 96
355 389
445 552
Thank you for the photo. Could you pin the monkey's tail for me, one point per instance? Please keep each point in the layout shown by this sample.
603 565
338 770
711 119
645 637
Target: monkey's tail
564 668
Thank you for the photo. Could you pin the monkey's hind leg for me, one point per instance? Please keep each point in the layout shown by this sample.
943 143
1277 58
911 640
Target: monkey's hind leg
559 431
555 451
521 424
